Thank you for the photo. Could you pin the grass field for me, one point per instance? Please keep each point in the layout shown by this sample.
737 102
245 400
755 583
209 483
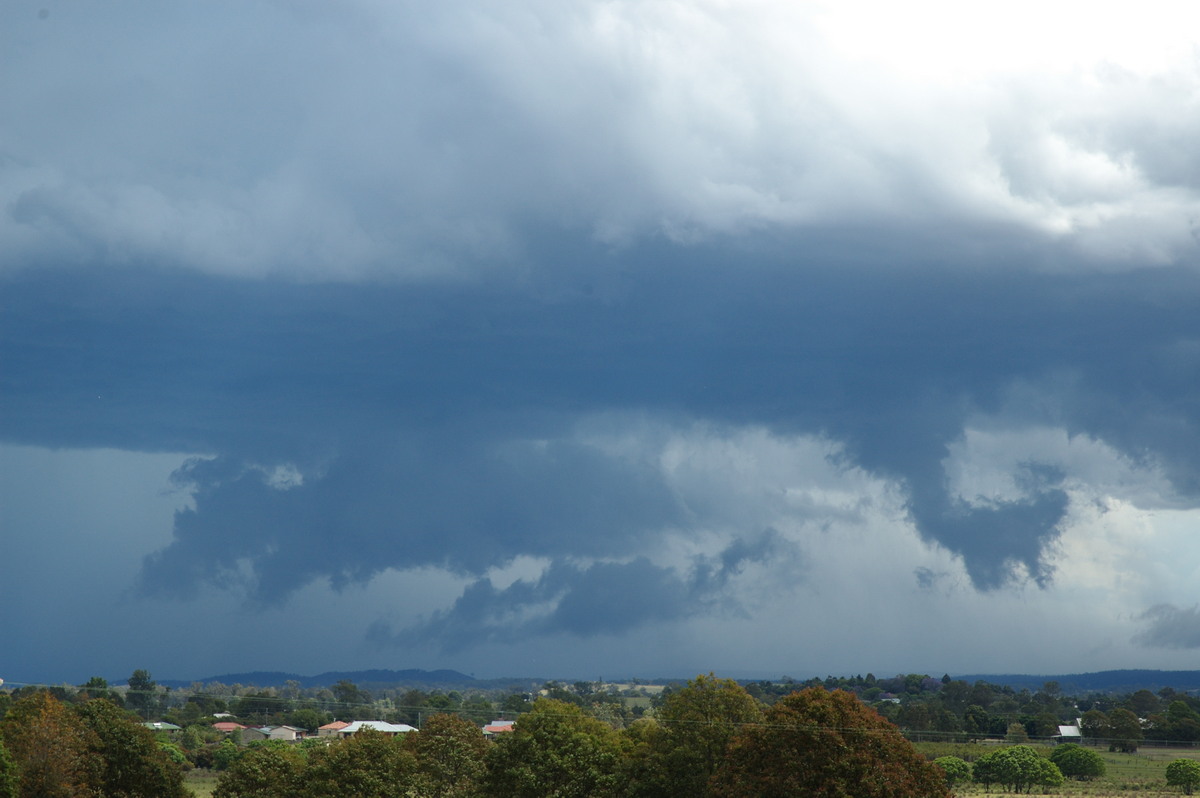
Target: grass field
1140 774
201 782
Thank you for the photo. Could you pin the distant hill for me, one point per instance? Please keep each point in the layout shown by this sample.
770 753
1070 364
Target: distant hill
365 679
1126 681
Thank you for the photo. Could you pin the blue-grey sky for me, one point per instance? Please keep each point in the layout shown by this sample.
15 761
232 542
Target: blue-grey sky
598 338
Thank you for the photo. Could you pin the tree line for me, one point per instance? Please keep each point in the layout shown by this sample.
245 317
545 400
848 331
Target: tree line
709 737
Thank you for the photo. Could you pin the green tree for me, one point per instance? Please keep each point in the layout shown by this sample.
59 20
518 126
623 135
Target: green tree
696 724
1077 762
956 769
555 750
8 773
226 754
142 696
450 753
1016 734
264 771
1019 767
1184 773
97 687
369 764
825 744
1124 731
353 703
308 718
134 765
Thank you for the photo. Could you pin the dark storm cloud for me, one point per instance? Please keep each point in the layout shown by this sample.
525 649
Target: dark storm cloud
598 599
432 425
1168 626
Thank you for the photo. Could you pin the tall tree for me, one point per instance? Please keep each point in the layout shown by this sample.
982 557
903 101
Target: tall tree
825 745
54 751
133 765
679 755
450 754
1124 731
555 750
8 773
143 693
369 764
264 771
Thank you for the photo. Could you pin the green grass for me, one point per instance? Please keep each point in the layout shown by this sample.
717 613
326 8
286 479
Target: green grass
203 782
1128 775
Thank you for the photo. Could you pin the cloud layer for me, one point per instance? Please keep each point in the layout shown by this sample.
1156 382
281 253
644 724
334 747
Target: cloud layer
631 325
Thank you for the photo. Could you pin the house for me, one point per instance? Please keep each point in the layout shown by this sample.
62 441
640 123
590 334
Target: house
1069 734
376 725
286 733
497 727
251 734
162 726
228 726
331 729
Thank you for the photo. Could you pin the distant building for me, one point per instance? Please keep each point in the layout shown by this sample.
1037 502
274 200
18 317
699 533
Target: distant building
375 725
228 726
162 726
1069 734
331 729
497 727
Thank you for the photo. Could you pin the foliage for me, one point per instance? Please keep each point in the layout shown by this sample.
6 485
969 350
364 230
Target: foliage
555 749
1124 731
1077 762
820 743
132 762
142 696
695 725
54 751
1019 767
263 771
369 764
8 773
956 769
1184 773
450 754
226 754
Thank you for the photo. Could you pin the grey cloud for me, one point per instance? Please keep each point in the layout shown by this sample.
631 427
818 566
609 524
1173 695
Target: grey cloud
417 140
433 424
598 599
1169 626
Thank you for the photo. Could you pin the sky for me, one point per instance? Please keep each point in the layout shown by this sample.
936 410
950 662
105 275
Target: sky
598 339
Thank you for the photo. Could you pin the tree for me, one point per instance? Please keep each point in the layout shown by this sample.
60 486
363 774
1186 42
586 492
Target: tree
450 754
1094 725
818 743
8 773
1124 731
1184 773
96 687
353 703
133 765
1077 762
956 769
54 752
1019 767
369 764
142 695
1016 734
555 750
264 771
695 725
